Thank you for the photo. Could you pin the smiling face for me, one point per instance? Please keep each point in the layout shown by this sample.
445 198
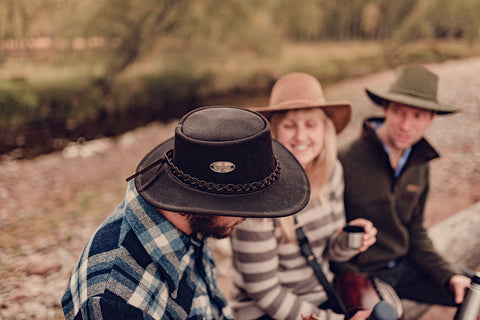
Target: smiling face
404 125
302 132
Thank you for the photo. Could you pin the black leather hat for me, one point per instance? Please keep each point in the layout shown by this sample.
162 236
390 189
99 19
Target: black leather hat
223 161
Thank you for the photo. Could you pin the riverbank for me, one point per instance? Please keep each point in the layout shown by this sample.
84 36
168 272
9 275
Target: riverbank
52 204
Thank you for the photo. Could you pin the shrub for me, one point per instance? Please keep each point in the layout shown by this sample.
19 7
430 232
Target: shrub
18 103
165 95
66 101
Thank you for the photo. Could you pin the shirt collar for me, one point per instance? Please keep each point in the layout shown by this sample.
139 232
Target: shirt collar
402 161
376 123
169 247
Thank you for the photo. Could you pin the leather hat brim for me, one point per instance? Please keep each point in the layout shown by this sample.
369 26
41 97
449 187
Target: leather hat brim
379 97
339 112
288 195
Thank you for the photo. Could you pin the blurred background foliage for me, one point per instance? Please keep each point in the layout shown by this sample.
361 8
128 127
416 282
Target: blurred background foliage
98 67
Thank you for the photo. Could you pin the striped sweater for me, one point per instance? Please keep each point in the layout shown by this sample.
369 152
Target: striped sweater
272 277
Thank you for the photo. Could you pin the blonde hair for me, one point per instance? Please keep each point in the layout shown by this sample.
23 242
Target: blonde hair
319 173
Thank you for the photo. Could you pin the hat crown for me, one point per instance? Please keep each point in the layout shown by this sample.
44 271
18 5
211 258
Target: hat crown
416 81
224 145
297 88
222 124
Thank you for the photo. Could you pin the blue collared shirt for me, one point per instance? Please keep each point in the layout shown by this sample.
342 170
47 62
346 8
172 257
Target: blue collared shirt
403 159
137 265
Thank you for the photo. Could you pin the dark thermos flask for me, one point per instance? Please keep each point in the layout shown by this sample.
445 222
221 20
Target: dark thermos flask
470 307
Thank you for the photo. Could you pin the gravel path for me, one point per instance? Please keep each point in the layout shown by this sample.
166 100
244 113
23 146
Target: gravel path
50 205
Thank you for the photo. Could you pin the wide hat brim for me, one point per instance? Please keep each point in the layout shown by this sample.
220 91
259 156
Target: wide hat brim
288 195
379 97
339 112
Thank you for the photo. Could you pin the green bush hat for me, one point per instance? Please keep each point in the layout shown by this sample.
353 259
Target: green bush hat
300 90
414 86
223 161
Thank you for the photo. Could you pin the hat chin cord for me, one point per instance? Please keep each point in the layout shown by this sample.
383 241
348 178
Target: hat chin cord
210 187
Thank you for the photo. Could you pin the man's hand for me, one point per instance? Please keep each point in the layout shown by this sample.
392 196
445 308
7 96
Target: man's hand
369 235
458 285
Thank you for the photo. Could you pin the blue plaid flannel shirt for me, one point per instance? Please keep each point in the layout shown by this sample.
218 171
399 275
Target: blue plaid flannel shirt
137 265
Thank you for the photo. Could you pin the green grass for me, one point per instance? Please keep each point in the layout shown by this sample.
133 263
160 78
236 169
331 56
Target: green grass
328 61
238 70
48 73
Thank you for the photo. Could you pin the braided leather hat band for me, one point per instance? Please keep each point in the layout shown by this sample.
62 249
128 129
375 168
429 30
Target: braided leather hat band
202 185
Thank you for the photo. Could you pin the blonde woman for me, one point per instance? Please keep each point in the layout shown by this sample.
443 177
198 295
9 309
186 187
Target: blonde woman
271 278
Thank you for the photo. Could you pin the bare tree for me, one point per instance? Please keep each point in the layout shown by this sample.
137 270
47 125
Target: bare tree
131 26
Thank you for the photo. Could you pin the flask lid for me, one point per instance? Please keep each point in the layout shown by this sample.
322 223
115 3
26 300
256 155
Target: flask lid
476 278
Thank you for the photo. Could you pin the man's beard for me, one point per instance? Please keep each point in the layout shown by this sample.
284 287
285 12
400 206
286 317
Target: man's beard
208 226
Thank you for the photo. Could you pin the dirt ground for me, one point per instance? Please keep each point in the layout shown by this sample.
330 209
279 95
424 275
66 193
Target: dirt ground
49 206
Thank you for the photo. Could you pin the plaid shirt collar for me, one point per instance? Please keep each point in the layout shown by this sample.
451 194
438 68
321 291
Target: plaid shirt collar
169 247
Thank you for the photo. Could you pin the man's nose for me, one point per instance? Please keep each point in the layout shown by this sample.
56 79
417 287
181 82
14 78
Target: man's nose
406 123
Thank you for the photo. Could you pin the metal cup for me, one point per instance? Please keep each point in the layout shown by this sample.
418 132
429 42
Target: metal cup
471 304
353 236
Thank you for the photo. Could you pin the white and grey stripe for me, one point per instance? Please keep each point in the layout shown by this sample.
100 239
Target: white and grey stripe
272 277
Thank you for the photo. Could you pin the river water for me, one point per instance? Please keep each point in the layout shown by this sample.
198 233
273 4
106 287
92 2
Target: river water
41 138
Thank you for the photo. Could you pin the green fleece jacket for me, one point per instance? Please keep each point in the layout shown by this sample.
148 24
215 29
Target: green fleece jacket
394 205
